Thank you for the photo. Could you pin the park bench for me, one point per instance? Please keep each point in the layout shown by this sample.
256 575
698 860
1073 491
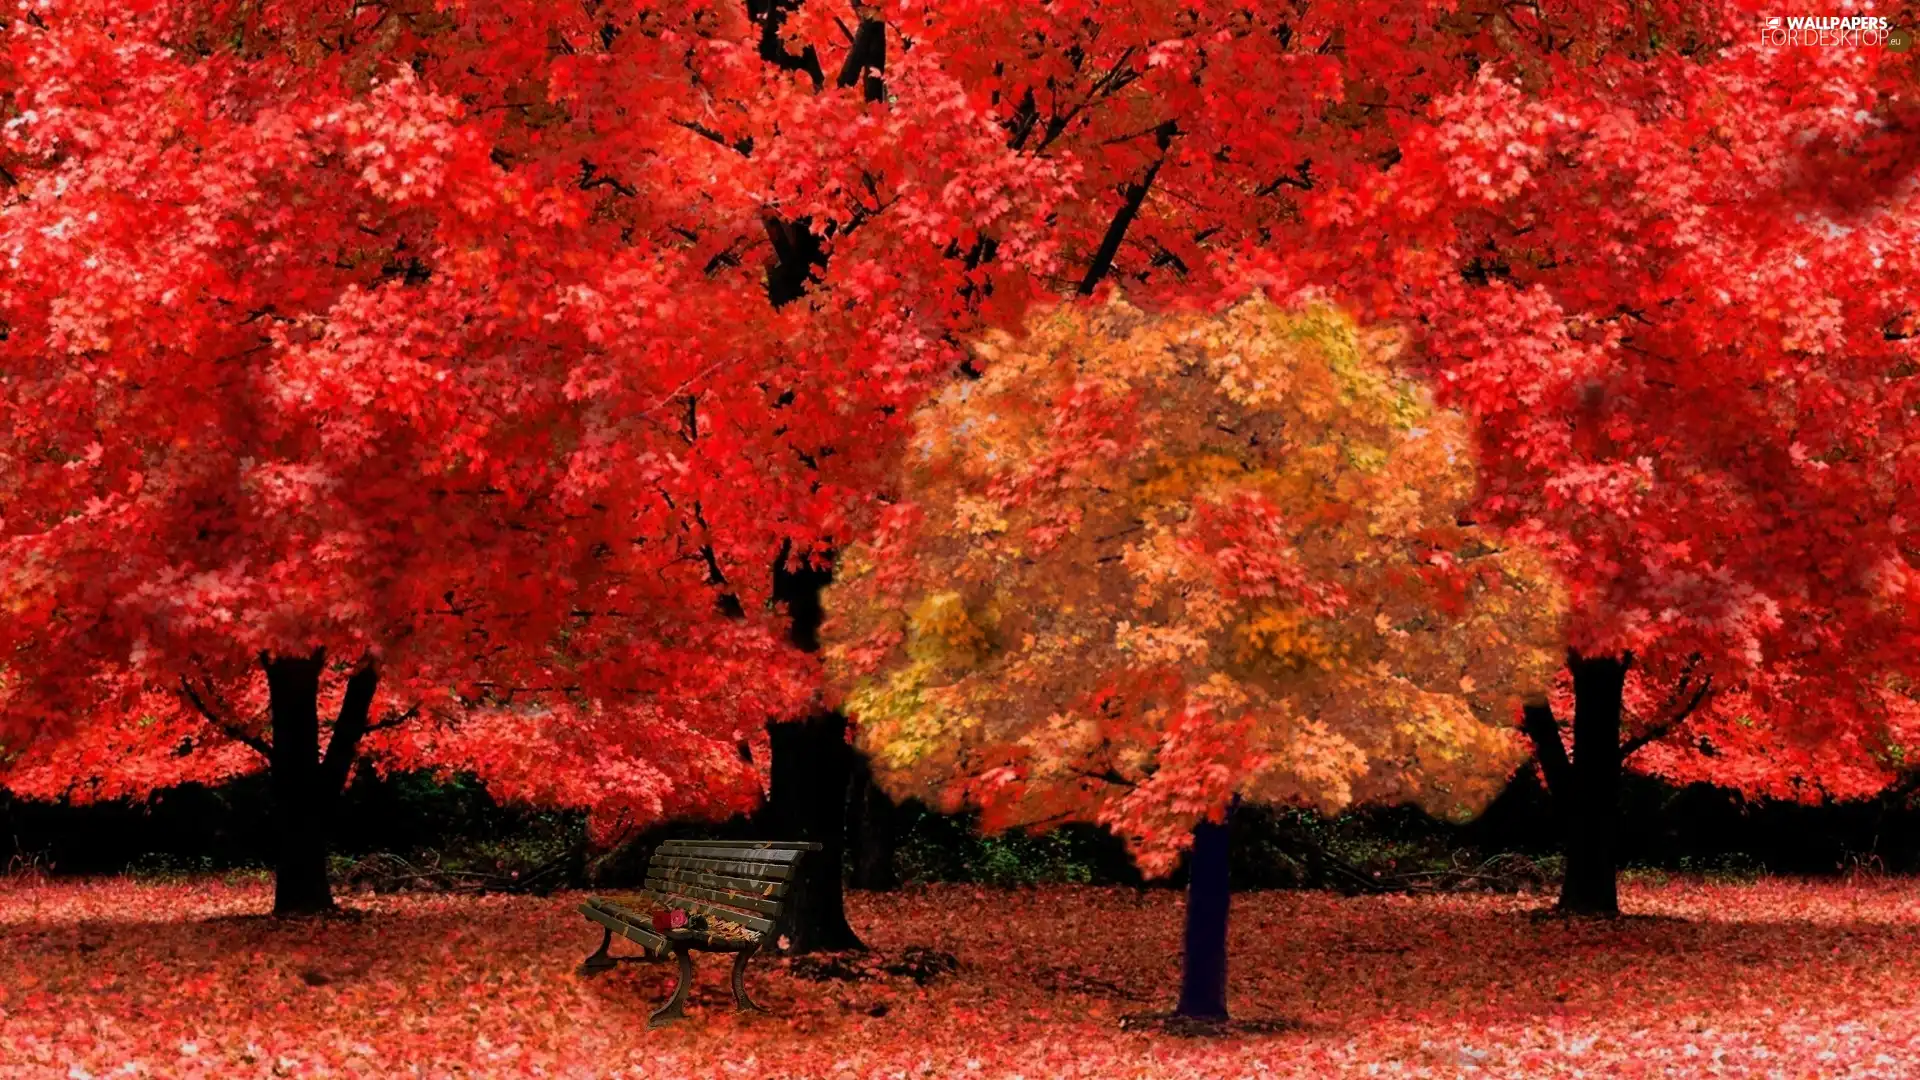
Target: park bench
740 886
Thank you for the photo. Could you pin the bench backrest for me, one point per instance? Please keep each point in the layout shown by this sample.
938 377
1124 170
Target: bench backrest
745 881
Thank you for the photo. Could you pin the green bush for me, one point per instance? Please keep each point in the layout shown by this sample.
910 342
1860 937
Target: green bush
932 847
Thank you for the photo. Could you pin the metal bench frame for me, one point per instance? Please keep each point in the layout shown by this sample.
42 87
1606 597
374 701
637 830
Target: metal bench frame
746 882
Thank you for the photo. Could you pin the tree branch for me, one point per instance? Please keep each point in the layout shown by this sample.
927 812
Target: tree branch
1115 79
742 146
1544 732
230 730
1108 776
590 178
1661 730
355 707
1299 178
796 250
867 53
1136 195
1020 125
771 14
393 720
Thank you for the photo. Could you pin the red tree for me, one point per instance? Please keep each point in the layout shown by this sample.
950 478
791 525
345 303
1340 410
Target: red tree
1697 389
373 379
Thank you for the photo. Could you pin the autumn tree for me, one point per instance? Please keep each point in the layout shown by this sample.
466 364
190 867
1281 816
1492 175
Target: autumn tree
1677 303
376 385
1149 565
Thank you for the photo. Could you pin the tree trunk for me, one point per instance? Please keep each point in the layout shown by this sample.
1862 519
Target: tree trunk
1203 976
1592 802
808 796
306 786
300 845
811 762
869 831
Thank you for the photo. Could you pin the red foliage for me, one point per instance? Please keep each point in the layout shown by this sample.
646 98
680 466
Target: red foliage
388 334
1777 978
436 334
1672 299
1149 564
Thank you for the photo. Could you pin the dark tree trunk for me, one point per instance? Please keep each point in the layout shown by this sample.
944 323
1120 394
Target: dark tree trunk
811 762
1203 976
808 796
1592 806
305 785
300 844
10 836
869 831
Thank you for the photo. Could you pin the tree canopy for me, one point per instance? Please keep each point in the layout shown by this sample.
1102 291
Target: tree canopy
426 345
1149 562
493 350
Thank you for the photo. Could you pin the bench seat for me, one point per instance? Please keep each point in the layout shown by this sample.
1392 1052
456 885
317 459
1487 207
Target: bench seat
636 910
740 886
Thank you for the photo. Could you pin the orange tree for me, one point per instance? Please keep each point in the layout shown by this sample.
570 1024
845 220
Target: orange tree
1149 565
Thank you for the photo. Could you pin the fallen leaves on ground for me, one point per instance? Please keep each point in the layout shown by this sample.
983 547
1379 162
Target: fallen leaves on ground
1776 979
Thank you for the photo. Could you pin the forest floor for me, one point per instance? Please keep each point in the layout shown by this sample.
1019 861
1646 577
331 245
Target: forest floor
1773 979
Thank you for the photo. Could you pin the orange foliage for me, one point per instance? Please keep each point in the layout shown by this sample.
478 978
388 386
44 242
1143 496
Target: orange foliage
1146 563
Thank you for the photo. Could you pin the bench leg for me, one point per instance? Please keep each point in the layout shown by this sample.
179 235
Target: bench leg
673 1009
740 998
599 961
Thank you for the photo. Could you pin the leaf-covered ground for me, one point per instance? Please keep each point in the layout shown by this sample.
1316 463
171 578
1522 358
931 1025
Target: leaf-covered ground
1778 979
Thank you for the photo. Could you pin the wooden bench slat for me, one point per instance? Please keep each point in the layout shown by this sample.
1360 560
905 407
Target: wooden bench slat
737 900
765 887
762 870
740 886
772 845
639 935
609 906
740 854
654 899
747 919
